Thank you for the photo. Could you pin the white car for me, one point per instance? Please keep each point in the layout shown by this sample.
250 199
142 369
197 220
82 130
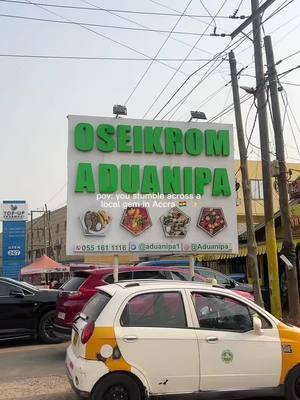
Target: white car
141 339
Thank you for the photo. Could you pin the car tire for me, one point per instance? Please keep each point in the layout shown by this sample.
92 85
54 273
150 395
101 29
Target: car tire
292 385
117 386
45 328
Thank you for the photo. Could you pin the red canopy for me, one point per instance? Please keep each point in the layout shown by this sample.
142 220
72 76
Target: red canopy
43 265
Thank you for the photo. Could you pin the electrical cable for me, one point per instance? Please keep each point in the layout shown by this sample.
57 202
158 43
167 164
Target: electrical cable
175 10
288 107
53 5
286 58
45 56
146 27
179 104
174 74
101 25
157 53
101 35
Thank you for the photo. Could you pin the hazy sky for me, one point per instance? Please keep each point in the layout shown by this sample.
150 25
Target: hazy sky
38 94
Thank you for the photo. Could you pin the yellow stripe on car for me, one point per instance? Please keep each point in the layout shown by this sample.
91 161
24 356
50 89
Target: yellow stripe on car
98 348
289 337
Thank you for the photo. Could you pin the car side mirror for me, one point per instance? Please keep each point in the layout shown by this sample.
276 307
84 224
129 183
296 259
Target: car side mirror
257 325
16 293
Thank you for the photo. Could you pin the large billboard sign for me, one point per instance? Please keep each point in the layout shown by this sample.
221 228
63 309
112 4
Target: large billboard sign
14 215
150 187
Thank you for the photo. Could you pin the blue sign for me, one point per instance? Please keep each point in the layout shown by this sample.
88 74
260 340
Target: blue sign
13 246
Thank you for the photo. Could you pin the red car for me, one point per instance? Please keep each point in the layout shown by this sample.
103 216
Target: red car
82 286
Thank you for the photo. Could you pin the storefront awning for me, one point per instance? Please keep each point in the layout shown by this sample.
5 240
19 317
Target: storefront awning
243 251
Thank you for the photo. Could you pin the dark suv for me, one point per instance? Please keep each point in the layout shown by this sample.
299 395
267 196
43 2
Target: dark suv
26 311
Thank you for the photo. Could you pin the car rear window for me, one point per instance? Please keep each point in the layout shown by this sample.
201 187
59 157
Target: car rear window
73 284
95 306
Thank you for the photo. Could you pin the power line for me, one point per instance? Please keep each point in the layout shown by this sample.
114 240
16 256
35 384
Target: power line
230 108
236 44
53 5
101 25
286 58
157 53
179 67
286 104
45 56
288 71
179 104
100 34
147 27
173 9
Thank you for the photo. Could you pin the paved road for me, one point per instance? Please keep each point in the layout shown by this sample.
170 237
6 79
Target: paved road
35 372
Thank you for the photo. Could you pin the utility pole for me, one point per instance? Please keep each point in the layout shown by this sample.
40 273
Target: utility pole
265 160
251 240
288 244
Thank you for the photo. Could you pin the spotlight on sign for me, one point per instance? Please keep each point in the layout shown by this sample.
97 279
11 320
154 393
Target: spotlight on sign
118 109
197 115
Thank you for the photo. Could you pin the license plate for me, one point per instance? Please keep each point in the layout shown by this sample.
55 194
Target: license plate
75 338
61 315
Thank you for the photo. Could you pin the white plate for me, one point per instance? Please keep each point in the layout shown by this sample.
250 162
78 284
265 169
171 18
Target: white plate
61 315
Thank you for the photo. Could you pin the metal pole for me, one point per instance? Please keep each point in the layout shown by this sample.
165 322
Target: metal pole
289 249
116 268
45 237
192 267
31 236
265 160
251 240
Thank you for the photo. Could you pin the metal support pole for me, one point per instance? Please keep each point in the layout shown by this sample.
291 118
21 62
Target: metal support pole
192 267
265 160
116 268
251 240
45 236
289 249
31 236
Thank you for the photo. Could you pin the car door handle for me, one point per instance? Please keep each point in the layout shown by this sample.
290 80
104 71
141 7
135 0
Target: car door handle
130 339
212 339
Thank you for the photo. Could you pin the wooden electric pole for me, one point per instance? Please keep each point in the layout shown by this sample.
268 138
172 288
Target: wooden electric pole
251 240
265 160
288 243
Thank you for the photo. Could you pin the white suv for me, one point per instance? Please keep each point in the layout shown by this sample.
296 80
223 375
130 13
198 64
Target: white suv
135 340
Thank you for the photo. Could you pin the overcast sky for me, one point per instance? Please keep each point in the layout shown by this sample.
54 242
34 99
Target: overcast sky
38 94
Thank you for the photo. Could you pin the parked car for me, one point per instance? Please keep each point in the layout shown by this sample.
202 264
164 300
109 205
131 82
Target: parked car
26 311
74 294
225 280
140 340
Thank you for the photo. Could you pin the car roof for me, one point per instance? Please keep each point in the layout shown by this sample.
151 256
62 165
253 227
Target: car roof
127 268
164 263
135 285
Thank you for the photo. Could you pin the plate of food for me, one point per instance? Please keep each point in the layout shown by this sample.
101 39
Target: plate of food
136 220
211 220
95 223
175 223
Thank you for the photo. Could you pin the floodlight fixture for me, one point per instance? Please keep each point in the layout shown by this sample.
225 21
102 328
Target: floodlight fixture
248 89
118 109
197 115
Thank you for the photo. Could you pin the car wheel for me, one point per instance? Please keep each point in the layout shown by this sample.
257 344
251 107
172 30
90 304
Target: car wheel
117 386
45 328
292 386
